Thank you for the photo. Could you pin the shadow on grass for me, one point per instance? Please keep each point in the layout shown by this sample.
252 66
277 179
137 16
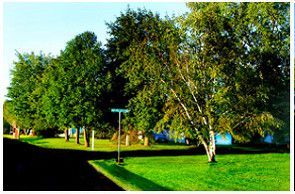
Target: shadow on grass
134 181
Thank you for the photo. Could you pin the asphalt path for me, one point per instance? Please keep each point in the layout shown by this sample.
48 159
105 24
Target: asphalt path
31 168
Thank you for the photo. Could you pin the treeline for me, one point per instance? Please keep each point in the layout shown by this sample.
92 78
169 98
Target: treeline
221 67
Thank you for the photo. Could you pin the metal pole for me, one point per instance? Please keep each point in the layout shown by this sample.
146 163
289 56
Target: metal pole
92 139
119 137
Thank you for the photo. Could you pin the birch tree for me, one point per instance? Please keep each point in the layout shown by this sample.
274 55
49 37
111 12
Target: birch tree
208 79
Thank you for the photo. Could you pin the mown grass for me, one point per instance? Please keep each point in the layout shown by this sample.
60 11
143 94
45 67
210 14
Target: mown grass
243 172
99 144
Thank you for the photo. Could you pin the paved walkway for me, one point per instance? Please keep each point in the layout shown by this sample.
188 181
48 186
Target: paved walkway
30 168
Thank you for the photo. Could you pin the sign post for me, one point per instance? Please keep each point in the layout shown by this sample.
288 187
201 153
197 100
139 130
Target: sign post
119 138
119 132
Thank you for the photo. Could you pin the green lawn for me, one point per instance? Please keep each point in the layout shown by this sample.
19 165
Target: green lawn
232 172
251 172
99 144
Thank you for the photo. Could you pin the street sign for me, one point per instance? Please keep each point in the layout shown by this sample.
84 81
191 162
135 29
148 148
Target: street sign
119 110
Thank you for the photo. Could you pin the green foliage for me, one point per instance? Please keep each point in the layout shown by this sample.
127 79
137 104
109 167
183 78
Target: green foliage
69 90
8 115
134 29
80 83
24 91
179 173
127 28
53 90
220 67
233 48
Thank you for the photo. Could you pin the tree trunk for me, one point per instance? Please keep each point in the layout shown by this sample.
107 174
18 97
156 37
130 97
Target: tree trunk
86 137
77 136
127 143
146 141
212 146
33 132
210 149
17 133
66 134
14 132
187 141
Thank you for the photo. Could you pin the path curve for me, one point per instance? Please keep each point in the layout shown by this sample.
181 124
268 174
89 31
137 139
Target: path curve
30 168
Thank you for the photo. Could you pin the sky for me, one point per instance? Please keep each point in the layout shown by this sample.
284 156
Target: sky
46 27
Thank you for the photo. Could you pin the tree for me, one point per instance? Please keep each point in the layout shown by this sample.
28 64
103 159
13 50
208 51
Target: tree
206 71
270 54
53 90
26 77
130 28
83 79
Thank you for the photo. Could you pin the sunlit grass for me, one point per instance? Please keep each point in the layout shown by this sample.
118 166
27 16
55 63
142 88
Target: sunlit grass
99 144
251 172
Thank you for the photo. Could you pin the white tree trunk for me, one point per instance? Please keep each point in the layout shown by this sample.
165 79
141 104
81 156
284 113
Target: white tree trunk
210 149
212 146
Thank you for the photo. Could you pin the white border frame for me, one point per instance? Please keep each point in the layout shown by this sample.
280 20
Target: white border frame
292 96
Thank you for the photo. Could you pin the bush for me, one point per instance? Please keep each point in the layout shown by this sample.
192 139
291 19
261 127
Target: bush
49 132
104 132
133 135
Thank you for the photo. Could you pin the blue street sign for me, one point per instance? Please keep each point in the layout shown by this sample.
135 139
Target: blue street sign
119 110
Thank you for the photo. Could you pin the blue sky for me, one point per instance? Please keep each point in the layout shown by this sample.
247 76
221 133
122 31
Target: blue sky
46 27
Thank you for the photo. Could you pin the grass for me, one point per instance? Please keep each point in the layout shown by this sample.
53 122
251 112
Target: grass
244 172
99 144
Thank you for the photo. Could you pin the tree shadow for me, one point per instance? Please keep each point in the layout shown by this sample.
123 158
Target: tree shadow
141 183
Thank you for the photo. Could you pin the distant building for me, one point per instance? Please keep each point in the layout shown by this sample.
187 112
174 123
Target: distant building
268 139
72 131
223 139
165 136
